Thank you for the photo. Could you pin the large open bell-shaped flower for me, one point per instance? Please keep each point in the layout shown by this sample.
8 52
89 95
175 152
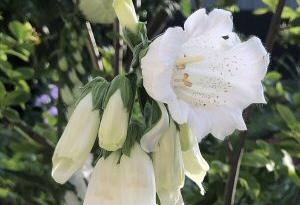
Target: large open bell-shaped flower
205 74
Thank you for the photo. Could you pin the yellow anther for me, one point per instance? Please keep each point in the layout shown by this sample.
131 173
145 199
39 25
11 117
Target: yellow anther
181 62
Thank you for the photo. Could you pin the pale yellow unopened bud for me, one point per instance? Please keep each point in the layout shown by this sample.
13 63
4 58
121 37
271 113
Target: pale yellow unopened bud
77 140
114 123
168 167
126 14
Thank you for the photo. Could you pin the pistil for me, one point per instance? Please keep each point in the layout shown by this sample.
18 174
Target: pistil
181 62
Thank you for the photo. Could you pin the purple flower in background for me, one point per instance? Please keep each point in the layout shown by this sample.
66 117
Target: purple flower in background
53 111
53 91
42 99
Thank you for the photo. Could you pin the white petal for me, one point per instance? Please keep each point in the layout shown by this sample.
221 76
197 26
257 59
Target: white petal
171 197
199 124
219 22
221 120
76 142
179 110
170 46
156 76
151 138
138 181
196 23
105 184
195 166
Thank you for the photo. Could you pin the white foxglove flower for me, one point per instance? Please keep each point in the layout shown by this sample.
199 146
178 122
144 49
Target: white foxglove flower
126 14
114 123
77 140
186 137
138 181
128 182
150 139
168 168
195 166
205 74
105 184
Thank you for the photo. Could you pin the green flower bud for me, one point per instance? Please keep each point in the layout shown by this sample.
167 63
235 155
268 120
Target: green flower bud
126 14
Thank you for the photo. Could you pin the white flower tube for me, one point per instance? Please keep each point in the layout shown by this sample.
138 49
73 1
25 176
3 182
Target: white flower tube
126 14
150 139
105 184
77 140
129 182
138 181
195 166
168 168
114 123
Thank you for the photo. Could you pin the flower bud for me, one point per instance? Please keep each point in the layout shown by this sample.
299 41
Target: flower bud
195 166
128 181
114 123
150 139
77 140
186 138
126 14
168 167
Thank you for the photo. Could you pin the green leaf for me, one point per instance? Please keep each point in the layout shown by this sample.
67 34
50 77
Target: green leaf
11 114
99 91
2 92
288 116
273 76
17 97
134 134
254 159
186 7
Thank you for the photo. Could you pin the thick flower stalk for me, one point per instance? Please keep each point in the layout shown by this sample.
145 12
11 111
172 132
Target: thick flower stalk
129 181
126 14
205 74
77 140
168 168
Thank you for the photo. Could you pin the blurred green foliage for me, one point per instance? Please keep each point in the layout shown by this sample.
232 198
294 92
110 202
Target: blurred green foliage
44 45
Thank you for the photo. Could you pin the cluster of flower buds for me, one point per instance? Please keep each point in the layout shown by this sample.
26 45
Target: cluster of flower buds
184 85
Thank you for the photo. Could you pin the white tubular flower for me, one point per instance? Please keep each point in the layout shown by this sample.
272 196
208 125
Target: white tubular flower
168 168
205 74
105 184
151 138
77 140
130 182
186 138
114 123
126 14
195 166
138 181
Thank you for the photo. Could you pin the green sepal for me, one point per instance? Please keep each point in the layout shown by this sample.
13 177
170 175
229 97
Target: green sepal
86 89
99 91
134 39
134 134
123 83
152 114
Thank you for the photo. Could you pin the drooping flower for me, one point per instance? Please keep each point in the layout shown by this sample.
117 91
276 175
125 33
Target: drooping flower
130 182
168 168
150 139
205 74
126 14
114 124
77 140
